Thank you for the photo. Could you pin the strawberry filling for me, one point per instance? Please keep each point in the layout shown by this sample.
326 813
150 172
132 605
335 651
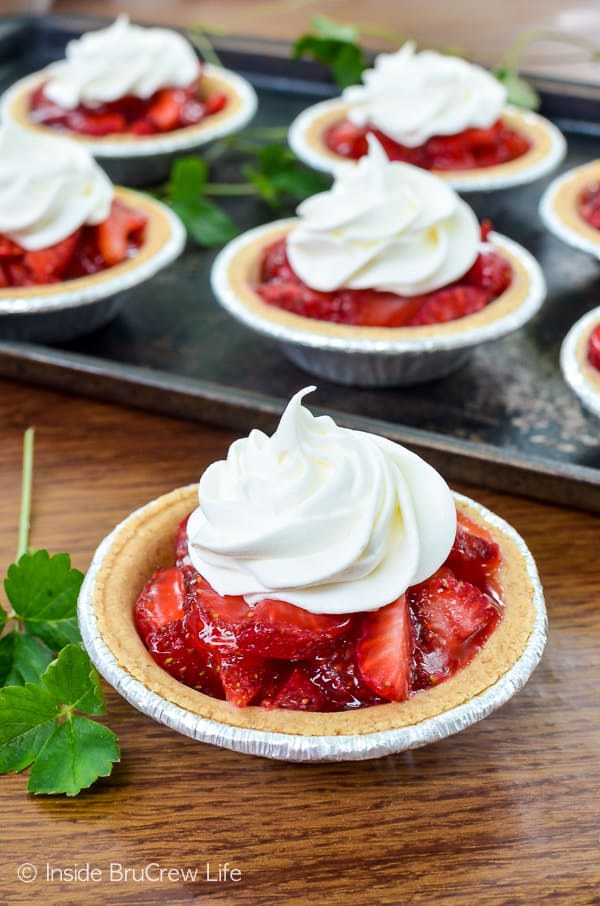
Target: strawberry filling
166 110
466 150
88 250
277 655
281 287
589 205
593 350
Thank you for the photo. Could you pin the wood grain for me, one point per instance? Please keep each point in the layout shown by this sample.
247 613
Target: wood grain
482 31
505 812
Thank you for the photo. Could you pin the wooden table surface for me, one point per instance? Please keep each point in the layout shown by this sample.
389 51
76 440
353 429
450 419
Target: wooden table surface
504 812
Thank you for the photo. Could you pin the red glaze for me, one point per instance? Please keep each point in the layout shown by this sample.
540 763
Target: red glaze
593 351
277 655
166 110
589 205
88 250
471 149
487 279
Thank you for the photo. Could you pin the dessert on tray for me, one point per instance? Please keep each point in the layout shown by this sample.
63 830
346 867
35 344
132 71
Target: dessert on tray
580 360
321 589
135 97
435 111
386 278
570 207
69 240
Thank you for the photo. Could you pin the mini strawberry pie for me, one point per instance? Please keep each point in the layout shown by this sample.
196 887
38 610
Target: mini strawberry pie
327 584
127 91
68 238
391 261
570 207
580 360
435 111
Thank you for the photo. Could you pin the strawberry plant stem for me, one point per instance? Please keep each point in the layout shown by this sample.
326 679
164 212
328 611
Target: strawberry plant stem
26 482
218 188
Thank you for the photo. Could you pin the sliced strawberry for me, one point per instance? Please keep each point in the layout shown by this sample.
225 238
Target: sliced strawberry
4 278
593 352
491 272
242 677
214 622
335 673
280 630
182 554
475 555
589 205
171 649
297 693
9 249
387 309
215 104
450 304
347 139
88 122
161 600
48 265
452 613
165 110
123 228
275 265
384 651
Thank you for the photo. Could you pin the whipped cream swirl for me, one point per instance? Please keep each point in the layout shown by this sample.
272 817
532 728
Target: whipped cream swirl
120 60
329 519
49 187
383 225
411 96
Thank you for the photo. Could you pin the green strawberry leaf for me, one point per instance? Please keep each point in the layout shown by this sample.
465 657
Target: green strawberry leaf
28 715
348 65
72 680
518 91
3 618
187 179
338 31
76 753
336 45
280 174
66 752
23 659
206 223
43 591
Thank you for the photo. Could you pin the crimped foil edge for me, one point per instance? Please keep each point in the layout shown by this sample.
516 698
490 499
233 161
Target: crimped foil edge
303 337
554 223
477 182
168 143
111 286
571 367
297 748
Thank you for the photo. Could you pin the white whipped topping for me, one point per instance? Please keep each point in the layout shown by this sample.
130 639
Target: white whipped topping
120 60
49 187
411 96
329 519
383 225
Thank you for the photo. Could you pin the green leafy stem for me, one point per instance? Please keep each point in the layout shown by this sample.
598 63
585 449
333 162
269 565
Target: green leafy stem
47 680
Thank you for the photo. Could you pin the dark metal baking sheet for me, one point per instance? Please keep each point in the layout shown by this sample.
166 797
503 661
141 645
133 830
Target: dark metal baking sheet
505 419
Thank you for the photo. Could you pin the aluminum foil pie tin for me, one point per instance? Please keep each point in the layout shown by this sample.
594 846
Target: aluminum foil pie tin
305 142
298 748
146 160
365 362
578 236
572 362
73 308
